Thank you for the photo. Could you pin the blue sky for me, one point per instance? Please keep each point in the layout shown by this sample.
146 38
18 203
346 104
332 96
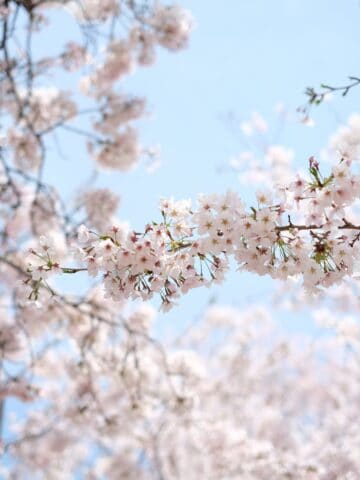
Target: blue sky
244 55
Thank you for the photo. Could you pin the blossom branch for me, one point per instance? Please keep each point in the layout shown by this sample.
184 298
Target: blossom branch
190 248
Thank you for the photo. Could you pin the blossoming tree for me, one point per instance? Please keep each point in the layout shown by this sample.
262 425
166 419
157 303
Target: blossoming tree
231 397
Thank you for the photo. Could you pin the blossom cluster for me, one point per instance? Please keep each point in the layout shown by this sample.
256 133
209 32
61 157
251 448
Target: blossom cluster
192 247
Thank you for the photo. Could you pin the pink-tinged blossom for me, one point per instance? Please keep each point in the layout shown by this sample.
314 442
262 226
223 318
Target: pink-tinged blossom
100 206
119 111
47 107
74 57
345 142
122 152
118 63
93 10
25 148
173 25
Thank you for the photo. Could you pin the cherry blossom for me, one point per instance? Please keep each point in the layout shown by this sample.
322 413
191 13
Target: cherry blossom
191 247
90 385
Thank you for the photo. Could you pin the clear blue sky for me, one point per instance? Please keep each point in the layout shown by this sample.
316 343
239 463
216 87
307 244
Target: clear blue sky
244 55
